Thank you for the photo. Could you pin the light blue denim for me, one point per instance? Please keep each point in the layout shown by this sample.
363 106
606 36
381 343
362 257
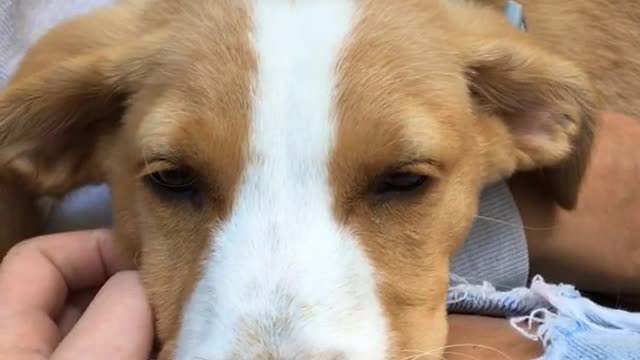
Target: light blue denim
569 326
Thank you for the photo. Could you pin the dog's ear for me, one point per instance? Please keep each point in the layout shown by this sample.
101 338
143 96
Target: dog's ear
538 107
58 124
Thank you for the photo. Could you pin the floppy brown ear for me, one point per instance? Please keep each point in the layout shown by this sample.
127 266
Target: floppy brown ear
545 103
57 125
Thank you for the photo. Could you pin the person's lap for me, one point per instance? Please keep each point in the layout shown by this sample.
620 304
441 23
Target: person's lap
481 337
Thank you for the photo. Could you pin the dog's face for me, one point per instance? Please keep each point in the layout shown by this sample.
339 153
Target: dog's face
292 178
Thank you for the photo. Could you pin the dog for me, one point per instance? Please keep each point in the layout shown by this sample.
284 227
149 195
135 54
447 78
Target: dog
293 177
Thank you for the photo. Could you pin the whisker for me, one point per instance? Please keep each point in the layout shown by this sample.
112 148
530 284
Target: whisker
455 346
429 353
506 223
460 354
485 347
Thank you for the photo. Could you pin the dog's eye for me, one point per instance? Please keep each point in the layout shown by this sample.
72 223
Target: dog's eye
401 182
175 180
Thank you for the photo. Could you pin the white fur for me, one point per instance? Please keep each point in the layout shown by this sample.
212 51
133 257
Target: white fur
282 266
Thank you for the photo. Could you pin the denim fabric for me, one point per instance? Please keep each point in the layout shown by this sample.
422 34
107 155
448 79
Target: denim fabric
569 326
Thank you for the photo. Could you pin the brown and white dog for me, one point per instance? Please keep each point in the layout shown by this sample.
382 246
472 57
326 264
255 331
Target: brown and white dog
293 176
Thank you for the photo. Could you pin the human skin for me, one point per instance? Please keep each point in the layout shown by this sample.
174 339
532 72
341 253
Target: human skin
597 246
52 306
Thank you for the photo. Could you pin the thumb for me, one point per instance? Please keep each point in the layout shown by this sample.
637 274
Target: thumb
117 325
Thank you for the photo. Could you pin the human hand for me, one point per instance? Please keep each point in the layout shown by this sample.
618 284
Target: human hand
46 284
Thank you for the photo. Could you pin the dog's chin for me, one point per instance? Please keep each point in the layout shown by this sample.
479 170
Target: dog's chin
429 346
167 351
426 342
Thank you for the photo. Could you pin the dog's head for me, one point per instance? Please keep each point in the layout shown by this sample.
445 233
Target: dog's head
292 177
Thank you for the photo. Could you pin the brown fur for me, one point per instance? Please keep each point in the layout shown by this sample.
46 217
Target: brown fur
451 91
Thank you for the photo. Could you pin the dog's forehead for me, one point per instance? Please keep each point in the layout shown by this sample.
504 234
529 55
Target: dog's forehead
376 70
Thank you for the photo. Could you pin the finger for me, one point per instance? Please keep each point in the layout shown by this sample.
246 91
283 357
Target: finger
27 335
73 310
118 323
38 273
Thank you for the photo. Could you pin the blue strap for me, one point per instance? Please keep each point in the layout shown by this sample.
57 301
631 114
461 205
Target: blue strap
514 11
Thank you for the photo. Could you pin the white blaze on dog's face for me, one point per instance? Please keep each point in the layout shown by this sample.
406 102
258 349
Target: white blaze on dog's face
292 177
283 275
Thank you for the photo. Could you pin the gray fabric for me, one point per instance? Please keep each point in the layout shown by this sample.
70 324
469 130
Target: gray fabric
496 249
494 252
22 22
